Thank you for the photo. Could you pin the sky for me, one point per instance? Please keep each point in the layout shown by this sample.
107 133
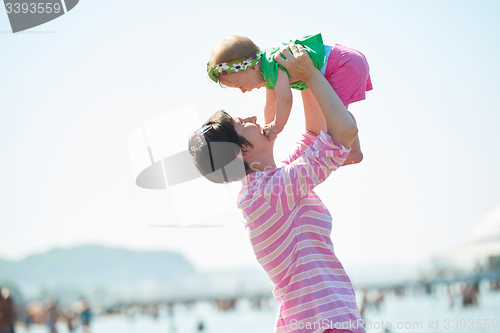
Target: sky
74 89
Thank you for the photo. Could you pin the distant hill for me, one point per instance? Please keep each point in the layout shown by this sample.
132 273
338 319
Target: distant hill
96 267
92 264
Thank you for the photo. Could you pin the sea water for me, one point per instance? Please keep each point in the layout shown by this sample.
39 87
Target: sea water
413 313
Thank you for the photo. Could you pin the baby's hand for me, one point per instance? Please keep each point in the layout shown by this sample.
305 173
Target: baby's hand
271 130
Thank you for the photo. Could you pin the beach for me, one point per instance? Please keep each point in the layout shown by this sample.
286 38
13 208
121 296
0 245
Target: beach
413 312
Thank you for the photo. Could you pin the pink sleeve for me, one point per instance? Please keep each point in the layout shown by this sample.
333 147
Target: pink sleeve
298 178
307 138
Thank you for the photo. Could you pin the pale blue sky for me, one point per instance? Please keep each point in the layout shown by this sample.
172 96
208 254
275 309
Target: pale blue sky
73 89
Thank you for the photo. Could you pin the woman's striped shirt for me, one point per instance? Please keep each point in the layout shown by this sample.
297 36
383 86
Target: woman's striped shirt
289 229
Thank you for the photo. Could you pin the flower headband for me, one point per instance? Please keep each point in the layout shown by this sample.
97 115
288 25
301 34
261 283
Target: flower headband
233 66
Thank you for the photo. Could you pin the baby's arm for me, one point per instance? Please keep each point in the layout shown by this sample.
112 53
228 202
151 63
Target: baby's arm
283 106
270 107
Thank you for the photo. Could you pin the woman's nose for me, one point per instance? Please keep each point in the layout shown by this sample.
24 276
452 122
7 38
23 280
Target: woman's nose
252 119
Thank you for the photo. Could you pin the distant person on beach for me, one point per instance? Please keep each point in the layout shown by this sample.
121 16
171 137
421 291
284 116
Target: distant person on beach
451 296
469 294
24 316
201 325
85 316
7 312
289 226
494 285
69 316
51 315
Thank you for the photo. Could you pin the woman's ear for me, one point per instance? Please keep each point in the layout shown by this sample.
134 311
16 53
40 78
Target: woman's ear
246 152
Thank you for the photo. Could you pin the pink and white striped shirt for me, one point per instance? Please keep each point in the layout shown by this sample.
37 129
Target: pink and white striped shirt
289 229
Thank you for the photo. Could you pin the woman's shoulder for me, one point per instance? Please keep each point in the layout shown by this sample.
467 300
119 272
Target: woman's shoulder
322 151
306 139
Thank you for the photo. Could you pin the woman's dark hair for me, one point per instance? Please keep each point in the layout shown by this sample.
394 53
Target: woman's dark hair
216 148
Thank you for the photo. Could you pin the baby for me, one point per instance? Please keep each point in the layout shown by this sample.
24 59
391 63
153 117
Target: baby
237 62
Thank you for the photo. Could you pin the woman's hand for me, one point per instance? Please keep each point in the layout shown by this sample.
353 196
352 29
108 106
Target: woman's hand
339 125
298 63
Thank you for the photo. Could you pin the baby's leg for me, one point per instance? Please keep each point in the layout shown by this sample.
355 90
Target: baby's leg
355 156
349 75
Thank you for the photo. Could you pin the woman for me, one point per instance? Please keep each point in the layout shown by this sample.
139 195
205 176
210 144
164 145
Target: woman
288 225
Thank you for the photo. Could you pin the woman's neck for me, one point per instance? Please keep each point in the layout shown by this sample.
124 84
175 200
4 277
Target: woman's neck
263 163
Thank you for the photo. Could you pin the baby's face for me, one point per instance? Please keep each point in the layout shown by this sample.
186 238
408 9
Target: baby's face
244 80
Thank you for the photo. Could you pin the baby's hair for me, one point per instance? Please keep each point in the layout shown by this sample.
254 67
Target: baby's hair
220 147
232 48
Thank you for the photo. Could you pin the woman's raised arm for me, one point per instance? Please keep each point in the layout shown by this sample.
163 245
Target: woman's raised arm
339 124
314 119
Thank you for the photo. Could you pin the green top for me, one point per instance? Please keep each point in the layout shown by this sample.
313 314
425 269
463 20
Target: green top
313 44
